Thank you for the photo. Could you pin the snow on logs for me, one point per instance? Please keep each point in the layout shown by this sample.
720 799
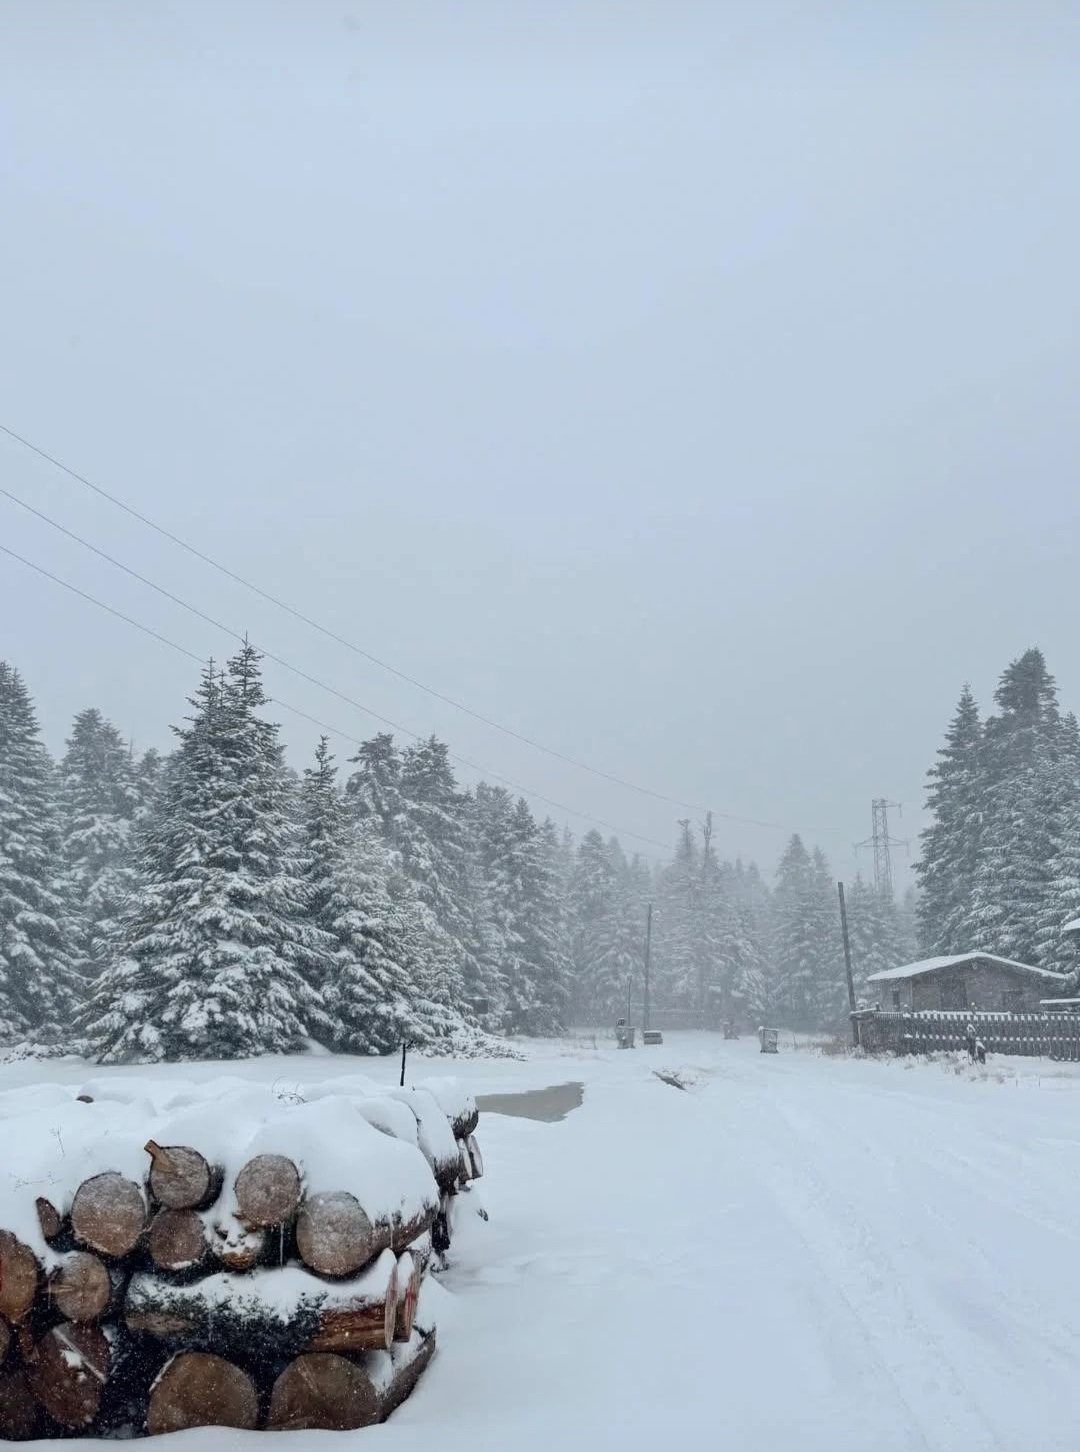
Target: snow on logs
260 1260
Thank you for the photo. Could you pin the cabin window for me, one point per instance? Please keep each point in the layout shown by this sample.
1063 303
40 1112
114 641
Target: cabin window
1012 1000
953 993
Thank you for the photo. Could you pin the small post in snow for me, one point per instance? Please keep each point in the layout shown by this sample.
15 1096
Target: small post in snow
847 966
403 1048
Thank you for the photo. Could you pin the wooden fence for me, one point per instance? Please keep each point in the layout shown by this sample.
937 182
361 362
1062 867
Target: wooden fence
1046 1035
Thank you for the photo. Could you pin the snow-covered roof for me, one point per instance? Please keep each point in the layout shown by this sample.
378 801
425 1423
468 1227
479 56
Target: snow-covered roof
935 965
1073 927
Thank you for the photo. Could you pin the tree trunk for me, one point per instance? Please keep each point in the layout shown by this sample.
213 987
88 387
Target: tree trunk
322 1392
18 1409
476 1157
234 1246
180 1178
81 1287
200 1390
177 1240
108 1214
334 1235
267 1191
408 1291
49 1218
67 1371
19 1277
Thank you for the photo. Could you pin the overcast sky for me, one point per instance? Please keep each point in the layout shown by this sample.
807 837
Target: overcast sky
690 386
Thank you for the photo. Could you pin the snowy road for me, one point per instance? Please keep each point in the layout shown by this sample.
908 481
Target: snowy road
798 1251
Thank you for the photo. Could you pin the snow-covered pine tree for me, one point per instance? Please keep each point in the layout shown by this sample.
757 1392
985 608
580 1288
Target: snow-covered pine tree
676 931
433 852
618 944
1012 887
543 927
38 985
1061 902
828 1003
795 937
593 889
750 940
99 796
208 960
357 949
493 944
373 790
951 844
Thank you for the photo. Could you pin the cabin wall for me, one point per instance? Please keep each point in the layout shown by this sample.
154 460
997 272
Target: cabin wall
980 985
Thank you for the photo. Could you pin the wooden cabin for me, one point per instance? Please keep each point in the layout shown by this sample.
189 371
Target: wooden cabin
972 982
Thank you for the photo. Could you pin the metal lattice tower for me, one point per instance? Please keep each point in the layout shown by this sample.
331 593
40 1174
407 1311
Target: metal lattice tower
882 844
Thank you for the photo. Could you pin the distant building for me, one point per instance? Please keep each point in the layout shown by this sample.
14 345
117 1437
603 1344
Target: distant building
968 981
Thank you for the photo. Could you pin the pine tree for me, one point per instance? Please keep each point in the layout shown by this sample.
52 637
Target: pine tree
1061 901
1021 820
951 844
99 796
359 951
795 945
209 960
373 791
543 928
38 986
593 894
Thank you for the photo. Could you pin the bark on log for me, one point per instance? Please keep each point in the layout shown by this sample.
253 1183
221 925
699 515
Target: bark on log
19 1277
178 1240
465 1174
67 1371
49 1218
108 1214
200 1390
476 1157
366 1325
235 1246
18 1409
180 1177
81 1287
408 1292
322 1392
268 1191
334 1235
5 1341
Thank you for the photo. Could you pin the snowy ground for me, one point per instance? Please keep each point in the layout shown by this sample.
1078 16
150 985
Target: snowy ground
796 1251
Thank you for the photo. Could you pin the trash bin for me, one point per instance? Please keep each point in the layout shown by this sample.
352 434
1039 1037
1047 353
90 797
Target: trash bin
769 1038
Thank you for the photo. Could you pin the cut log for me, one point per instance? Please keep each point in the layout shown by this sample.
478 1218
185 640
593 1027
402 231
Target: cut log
180 1177
367 1322
229 1314
334 1235
5 1341
18 1409
407 1371
466 1173
108 1214
268 1191
403 1233
408 1292
81 1287
67 1371
322 1392
19 1277
200 1390
235 1246
178 1240
49 1218
440 1233
476 1157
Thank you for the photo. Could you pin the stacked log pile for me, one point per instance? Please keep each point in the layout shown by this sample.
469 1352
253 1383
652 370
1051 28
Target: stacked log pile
257 1261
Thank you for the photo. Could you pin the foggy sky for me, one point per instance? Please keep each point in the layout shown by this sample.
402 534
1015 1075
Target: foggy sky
691 386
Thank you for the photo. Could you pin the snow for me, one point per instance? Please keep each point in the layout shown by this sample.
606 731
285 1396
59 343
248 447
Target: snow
935 965
832 1254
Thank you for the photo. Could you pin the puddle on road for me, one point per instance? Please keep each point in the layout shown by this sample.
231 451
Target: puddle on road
547 1105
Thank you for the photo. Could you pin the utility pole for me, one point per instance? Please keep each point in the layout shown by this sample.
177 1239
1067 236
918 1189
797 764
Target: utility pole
847 966
882 844
648 954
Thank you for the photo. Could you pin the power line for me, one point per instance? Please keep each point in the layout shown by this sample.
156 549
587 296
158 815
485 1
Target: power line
367 655
306 716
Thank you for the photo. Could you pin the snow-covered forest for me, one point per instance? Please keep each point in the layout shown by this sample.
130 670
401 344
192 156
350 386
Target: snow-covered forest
215 902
